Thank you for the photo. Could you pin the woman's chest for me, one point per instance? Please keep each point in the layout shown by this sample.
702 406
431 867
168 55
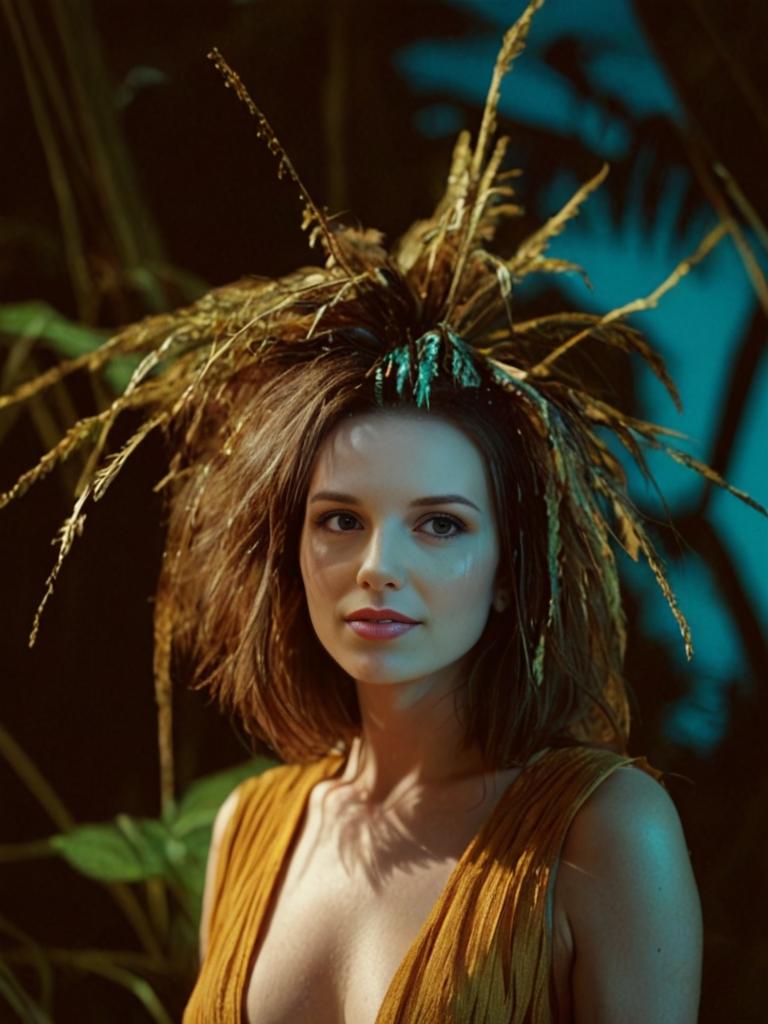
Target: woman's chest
342 917
332 945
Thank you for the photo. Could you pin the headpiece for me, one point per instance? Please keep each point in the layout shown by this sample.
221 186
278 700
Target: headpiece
440 302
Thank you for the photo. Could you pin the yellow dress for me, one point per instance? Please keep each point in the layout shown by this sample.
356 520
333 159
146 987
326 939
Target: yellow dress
484 953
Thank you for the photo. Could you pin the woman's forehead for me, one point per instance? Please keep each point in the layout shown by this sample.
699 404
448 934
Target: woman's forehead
421 451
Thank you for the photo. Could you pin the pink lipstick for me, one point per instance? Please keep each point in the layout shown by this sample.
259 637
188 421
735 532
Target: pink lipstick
380 630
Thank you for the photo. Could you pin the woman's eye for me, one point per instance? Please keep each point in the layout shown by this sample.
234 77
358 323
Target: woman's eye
444 519
335 515
459 526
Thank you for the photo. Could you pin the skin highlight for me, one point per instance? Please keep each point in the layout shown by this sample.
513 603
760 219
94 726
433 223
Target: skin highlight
437 564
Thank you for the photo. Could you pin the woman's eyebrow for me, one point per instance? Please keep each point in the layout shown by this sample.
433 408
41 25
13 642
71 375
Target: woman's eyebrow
435 499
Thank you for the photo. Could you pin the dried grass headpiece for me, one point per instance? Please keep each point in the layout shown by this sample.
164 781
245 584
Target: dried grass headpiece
440 302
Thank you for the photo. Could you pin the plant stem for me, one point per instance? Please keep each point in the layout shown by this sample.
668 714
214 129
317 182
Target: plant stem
34 780
25 851
113 965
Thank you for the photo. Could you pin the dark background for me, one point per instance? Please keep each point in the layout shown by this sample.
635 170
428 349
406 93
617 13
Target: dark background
132 180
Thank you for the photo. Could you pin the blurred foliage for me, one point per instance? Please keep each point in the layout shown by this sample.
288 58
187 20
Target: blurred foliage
167 855
136 180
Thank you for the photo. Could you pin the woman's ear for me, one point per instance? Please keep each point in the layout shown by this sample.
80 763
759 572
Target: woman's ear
501 599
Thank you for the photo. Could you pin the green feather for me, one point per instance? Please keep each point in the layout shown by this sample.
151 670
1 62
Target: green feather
462 365
428 348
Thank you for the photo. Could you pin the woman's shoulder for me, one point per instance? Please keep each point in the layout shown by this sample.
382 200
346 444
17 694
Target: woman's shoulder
626 872
595 795
276 781
593 763
630 796
239 797
248 796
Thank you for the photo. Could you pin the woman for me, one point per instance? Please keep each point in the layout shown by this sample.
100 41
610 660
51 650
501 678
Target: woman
457 832
344 889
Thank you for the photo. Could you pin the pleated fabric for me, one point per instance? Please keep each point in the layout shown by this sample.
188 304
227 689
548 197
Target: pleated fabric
484 954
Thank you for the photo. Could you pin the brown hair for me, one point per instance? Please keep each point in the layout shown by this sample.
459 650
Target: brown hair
240 609
229 592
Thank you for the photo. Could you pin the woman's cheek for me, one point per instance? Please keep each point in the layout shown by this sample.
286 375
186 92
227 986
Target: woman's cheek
313 560
471 574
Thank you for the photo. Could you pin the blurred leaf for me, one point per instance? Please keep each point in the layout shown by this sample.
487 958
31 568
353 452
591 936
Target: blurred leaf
130 851
135 849
40 321
187 878
203 798
192 824
709 52
139 77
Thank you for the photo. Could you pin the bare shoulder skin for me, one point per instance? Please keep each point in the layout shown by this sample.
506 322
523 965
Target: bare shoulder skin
223 816
633 907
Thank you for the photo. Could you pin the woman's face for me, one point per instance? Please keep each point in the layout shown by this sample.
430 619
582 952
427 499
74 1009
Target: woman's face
434 561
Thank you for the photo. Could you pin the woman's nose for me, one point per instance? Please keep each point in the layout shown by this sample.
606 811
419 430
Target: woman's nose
382 560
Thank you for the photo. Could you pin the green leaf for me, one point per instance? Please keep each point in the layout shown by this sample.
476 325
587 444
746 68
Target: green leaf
189 876
190 824
201 801
39 320
176 849
127 851
149 839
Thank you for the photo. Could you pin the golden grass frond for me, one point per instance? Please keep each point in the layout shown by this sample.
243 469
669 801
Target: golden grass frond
637 305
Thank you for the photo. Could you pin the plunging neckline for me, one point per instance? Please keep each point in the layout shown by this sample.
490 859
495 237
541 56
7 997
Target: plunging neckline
289 850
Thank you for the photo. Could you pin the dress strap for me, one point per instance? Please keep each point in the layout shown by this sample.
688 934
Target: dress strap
250 855
484 954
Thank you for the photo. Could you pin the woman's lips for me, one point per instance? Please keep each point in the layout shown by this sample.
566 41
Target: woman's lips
380 630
